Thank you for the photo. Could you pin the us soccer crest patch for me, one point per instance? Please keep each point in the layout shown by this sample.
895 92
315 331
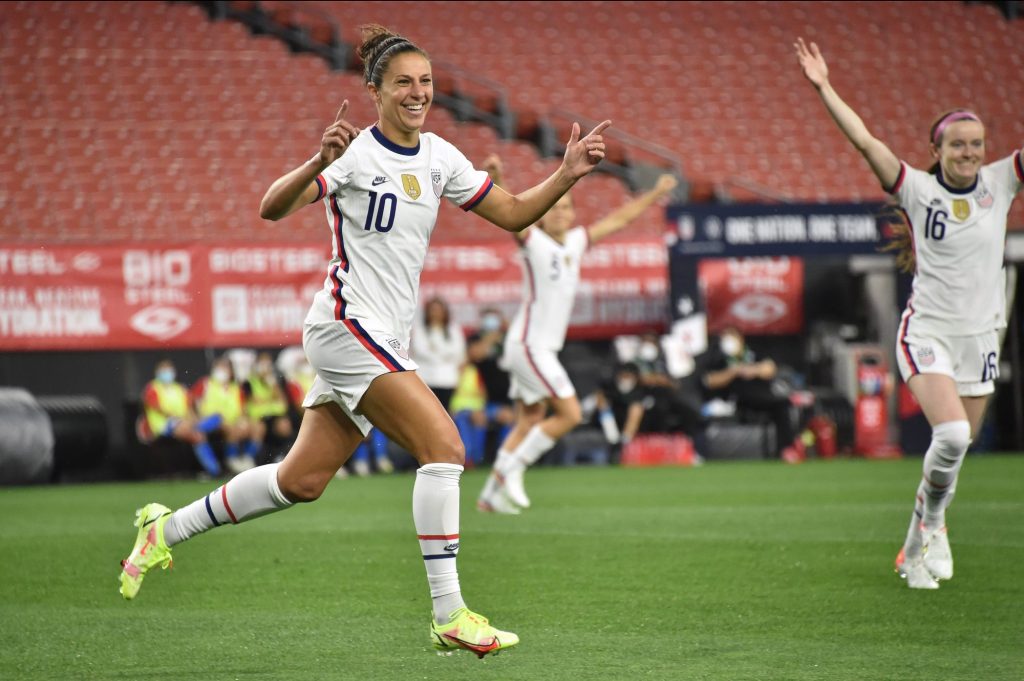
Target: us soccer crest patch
961 209
984 198
435 182
397 346
925 357
411 186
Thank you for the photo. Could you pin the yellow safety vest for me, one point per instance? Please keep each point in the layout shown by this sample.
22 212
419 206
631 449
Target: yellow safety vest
225 400
305 381
469 393
263 401
173 401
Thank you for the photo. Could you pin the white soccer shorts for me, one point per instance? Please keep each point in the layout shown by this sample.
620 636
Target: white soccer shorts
535 375
347 356
971 361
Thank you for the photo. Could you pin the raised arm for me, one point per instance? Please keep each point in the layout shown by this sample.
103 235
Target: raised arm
630 211
298 187
515 213
496 169
882 161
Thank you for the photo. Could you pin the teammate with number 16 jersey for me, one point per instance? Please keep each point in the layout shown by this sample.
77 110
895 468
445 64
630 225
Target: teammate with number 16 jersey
951 237
382 202
958 236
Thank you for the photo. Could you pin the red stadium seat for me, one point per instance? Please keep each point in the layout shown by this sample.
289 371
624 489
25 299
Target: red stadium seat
171 126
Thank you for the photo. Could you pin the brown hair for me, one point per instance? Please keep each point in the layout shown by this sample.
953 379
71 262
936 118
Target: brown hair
447 317
379 46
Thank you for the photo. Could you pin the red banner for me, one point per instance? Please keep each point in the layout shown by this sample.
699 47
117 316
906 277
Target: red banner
156 296
758 296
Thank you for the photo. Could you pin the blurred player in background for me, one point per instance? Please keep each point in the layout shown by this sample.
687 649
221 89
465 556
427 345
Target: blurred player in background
947 346
381 188
551 254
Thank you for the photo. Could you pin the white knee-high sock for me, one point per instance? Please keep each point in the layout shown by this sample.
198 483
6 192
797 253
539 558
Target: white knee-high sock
942 464
915 539
435 511
530 449
501 462
249 494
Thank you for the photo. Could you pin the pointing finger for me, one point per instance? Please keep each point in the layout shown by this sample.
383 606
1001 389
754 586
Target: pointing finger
343 126
341 111
600 127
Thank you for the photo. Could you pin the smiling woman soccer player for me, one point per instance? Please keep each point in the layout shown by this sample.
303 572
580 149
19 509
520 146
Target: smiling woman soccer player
382 189
948 348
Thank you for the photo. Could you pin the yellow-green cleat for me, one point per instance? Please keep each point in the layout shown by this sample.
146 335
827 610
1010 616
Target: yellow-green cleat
471 632
150 548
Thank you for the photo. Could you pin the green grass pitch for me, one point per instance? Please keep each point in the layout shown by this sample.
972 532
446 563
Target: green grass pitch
732 571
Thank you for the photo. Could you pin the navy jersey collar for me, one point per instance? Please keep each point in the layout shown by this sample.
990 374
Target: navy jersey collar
956 190
391 146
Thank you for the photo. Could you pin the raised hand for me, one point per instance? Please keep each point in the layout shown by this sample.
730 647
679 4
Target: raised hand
337 137
583 155
495 168
811 61
665 184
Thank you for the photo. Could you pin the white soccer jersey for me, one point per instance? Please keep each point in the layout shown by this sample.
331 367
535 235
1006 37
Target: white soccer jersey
958 237
382 201
551 273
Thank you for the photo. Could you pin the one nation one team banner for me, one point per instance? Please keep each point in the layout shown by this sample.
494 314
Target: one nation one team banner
146 296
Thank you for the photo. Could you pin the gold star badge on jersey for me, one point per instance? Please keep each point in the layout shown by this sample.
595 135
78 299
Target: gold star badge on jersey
411 186
961 209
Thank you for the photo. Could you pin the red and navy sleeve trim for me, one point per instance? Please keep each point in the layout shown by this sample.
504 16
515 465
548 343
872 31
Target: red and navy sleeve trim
479 196
899 179
1018 166
321 188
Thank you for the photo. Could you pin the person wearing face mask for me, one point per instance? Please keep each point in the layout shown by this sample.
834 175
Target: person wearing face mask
951 235
219 395
551 252
267 405
167 413
671 405
621 404
732 372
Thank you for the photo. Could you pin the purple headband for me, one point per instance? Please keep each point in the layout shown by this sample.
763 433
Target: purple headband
952 118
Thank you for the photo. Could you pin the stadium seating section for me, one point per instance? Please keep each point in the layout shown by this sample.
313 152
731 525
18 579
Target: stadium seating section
150 121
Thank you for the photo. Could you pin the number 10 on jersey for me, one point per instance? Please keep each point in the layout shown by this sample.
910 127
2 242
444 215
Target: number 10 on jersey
385 208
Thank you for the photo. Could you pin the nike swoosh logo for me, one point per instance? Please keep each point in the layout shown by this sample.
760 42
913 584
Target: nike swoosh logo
153 520
379 181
